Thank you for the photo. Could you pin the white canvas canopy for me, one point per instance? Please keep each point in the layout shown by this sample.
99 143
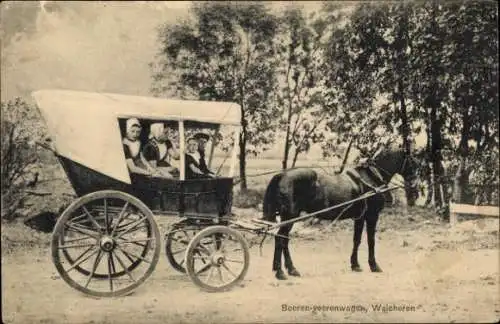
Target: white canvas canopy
84 125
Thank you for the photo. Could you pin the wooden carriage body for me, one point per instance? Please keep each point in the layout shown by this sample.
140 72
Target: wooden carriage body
86 133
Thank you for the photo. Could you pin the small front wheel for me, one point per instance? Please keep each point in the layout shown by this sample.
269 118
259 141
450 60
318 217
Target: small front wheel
217 258
176 246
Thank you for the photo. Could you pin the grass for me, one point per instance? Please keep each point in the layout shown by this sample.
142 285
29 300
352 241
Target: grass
16 236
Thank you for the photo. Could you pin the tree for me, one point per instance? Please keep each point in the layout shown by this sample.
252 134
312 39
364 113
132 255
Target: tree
359 114
300 97
20 127
471 55
225 53
429 89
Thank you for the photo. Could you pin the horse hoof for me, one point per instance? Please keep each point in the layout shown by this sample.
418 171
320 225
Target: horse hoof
356 268
375 268
294 273
280 275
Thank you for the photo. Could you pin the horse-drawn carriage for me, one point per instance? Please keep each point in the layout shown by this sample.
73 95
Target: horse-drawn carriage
107 242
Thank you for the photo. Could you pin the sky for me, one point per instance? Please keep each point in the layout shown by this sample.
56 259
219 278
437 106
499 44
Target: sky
90 46
81 45
95 46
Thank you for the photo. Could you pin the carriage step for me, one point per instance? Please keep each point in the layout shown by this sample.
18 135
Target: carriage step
261 221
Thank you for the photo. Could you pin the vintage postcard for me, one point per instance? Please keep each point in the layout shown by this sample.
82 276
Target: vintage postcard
249 162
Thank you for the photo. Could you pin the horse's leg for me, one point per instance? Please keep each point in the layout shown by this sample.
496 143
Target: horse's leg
371 226
358 231
279 244
292 271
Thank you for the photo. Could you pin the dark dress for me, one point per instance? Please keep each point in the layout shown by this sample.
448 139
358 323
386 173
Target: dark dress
189 160
129 155
151 152
203 164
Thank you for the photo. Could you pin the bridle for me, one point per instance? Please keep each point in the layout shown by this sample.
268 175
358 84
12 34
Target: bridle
377 169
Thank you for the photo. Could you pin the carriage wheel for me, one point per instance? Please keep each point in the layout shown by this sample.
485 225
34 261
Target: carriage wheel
135 263
176 246
106 244
217 258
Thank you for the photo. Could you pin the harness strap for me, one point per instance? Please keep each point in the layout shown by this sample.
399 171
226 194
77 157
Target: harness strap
376 172
354 175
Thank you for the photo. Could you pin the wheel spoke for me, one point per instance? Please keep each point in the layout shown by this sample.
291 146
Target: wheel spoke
76 240
137 222
229 270
132 254
76 246
92 219
220 243
118 221
124 267
220 274
78 218
136 241
201 248
128 256
83 231
234 261
96 263
210 273
178 251
77 263
106 220
205 268
110 270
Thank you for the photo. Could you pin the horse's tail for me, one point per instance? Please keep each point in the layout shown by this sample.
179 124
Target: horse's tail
270 206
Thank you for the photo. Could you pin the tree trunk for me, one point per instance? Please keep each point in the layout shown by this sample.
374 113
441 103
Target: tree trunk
295 156
460 182
440 187
346 156
287 138
243 183
405 133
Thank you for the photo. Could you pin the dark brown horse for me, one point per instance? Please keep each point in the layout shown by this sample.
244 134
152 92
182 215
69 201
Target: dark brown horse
304 190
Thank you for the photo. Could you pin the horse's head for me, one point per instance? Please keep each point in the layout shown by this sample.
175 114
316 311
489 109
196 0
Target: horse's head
392 159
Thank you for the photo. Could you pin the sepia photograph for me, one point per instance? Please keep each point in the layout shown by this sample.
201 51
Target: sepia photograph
249 162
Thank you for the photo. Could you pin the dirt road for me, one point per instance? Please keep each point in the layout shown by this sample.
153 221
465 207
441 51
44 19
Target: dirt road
435 273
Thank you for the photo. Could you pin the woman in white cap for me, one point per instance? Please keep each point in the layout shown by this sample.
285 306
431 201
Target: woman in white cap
157 152
132 147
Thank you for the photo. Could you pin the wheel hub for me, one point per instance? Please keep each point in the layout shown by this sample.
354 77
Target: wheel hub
107 243
218 259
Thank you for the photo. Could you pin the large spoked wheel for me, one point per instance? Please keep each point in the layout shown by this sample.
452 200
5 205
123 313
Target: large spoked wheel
176 245
106 244
217 258
134 262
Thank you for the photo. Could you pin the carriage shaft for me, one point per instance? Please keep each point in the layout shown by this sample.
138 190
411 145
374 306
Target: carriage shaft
363 196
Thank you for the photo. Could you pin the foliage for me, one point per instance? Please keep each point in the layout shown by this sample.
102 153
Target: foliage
20 127
226 53
385 71
359 112
300 47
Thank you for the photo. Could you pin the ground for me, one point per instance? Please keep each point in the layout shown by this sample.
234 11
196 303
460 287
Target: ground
437 272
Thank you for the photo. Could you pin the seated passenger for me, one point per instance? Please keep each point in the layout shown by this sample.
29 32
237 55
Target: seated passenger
202 142
132 147
157 152
192 163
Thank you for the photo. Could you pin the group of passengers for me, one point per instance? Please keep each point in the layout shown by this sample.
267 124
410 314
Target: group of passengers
153 159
